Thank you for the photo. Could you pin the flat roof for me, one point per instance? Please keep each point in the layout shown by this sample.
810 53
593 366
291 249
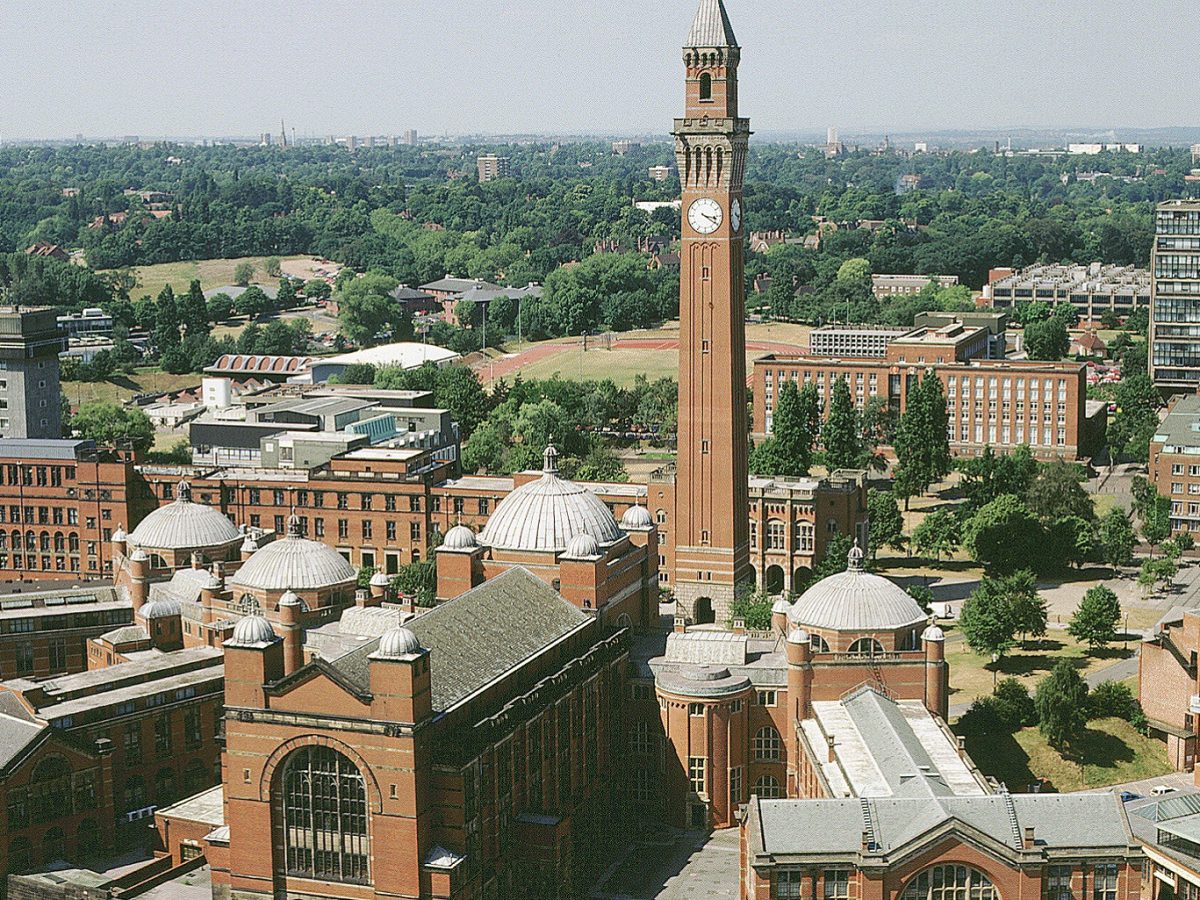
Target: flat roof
406 354
383 453
1181 427
207 807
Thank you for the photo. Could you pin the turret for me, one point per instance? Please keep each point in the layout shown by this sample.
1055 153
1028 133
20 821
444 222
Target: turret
779 617
139 578
253 658
936 672
379 588
293 632
459 563
400 679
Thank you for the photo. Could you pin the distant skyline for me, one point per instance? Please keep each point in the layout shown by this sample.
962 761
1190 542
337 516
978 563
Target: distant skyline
236 67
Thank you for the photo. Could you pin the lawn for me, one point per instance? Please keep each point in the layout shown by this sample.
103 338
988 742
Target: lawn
121 387
1111 751
212 273
971 674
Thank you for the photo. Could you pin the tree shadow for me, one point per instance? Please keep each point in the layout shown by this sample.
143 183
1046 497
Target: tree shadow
1099 748
1111 652
998 755
124 381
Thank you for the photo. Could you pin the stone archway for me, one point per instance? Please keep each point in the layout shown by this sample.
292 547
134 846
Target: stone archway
703 612
773 581
800 579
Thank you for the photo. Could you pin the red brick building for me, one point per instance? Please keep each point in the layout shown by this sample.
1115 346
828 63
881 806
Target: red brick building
1168 686
1175 461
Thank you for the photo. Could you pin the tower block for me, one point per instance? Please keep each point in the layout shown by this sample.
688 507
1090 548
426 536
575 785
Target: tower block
712 505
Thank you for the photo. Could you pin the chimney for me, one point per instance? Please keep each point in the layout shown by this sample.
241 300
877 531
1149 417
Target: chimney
866 841
680 621
832 742
962 747
1029 837
739 625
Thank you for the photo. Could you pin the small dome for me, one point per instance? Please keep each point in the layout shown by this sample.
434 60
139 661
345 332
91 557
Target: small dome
249 545
118 535
251 631
289 598
544 514
294 563
637 517
780 606
582 546
159 609
933 633
398 642
184 525
798 636
379 579
139 555
460 537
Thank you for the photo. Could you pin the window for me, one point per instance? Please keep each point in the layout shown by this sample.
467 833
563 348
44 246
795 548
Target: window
789 884
162 736
767 744
706 87
325 816
695 709
640 692
767 788
735 785
837 884
806 537
766 698
1057 883
192 736
343 528
696 773
133 742
366 529
952 882
1104 881
639 737
776 535
58 654
867 647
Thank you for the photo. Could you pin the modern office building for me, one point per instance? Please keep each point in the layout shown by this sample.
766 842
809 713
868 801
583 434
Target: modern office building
868 341
886 286
1175 461
1175 288
30 341
492 167
1093 289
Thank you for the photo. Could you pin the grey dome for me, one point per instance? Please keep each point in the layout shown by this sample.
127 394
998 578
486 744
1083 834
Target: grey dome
159 609
289 598
460 537
183 525
119 535
398 642
294 563
933 633
545 514
249 545
139 555
582 546
379 579
799 636
637 517
781 606
855 600
251 631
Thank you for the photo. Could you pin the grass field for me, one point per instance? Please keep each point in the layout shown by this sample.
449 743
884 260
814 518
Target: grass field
122 387
212 273
1111 751
622 366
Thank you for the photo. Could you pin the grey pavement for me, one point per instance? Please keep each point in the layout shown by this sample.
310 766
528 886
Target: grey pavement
679 866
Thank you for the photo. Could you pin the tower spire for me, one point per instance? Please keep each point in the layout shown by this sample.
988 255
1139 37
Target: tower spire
711 26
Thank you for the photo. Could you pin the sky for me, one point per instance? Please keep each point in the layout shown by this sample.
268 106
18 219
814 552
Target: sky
236 67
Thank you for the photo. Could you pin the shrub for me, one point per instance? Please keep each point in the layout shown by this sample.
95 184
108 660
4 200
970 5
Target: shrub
1113 699
1013 704
982 718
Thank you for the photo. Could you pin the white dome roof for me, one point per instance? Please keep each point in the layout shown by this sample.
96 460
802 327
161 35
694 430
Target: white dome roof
379 579
545 514
289 598
460 537
780 606
933 633
798 636
582 546
294 563
398 642
119 534
252 630
159 609
637 517
183 525
855 600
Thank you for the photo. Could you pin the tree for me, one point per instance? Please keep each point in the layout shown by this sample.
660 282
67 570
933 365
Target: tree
841 436
938 535
286 296
987 620
218 308
1117 539
273 267
1096 618
1057 492
1005 536
987 476
252 302
836 559
367 310
243 272
1062 705
922 442
1013 705
923 596
1030 613
795 426
1136 419
1113 699
887 524
109 424
357 373
1047 339
1156 522
317 289
754 608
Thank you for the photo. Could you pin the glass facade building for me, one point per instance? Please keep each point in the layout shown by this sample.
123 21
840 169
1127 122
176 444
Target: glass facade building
1175 292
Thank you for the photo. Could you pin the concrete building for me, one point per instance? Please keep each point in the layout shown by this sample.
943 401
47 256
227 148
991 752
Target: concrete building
401 355
30 342
867 341
1174 461
492 167
660 173
1168 686
92 320
1175 287
1093 290
886 286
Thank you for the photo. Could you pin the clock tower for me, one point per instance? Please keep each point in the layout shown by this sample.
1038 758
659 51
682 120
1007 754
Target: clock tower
712 506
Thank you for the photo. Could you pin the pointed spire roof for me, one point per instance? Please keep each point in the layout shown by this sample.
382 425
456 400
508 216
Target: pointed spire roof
711 27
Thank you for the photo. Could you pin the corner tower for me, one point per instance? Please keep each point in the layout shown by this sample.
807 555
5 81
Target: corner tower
712 506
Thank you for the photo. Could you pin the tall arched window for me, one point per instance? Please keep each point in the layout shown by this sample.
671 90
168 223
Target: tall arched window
767 744
819 644
705 86
868 647
18 854
951 882
54 845
50 790
776 535
325 816
806 537
248 605
767 788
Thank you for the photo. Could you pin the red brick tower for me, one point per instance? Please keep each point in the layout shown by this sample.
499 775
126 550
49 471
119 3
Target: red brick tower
712 505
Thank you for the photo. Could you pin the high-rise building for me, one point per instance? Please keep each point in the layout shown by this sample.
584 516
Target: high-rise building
492 167
711 502
30 341
1175 296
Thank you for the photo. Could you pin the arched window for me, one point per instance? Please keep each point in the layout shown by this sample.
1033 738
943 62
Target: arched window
157 561
806 537
73 542
869 647
18 855
819 644
60 542
44 542
50 790
705 86
248 605
194 777
776 535
660 516
767 744
324 812
135 793
16 540
951 882
164 786
767 788
54 845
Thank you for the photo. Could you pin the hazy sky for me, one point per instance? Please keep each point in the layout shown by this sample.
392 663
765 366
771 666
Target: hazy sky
225 67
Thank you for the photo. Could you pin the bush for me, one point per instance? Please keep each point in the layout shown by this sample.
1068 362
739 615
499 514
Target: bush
983 718
1113 699
1013 705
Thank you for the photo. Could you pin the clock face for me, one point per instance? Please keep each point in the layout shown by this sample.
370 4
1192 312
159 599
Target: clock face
705 215
735 215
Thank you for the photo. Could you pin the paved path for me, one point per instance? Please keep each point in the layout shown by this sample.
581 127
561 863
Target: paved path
679 866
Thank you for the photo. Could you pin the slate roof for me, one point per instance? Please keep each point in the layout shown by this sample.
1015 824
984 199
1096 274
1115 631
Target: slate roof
125 635
16 735
479 636
711 26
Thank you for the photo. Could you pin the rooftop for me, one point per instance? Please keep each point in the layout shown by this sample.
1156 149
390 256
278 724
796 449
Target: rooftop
404 355
1180 430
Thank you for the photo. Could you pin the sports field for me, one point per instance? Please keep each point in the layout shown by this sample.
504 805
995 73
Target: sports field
214 273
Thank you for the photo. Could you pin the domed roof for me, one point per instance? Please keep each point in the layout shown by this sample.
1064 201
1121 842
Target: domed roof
250 631
780 606
798 636
119 535
545 514
933 633
460 537
582 546
159 609
294 563
289 598
380 579
398 642
249 545
182 525
637 517
855 600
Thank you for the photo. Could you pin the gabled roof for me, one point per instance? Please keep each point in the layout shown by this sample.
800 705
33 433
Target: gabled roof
16 736
711 26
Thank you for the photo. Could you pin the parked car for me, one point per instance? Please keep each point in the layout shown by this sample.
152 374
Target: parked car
1161 790
1126 796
